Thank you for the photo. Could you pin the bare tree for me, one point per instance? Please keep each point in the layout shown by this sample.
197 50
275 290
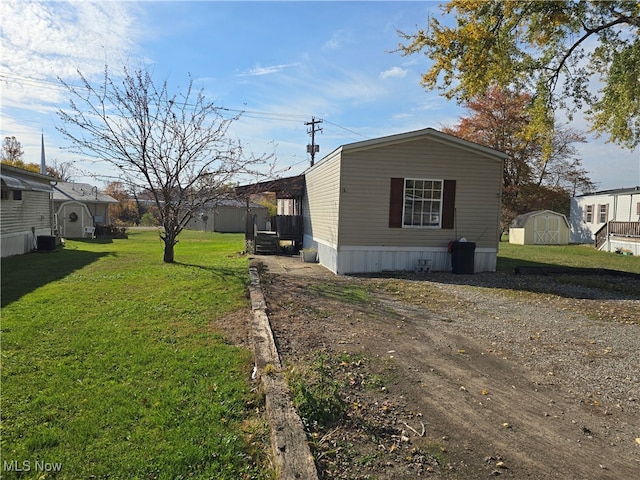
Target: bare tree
62 171
175 147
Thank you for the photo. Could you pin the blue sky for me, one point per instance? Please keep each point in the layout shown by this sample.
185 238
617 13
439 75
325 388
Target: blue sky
280 62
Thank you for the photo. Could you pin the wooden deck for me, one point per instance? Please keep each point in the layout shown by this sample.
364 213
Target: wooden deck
288 228
620 231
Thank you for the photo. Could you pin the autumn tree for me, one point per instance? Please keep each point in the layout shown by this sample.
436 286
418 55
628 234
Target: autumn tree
173 147
553 49
542 169
126 211
12 154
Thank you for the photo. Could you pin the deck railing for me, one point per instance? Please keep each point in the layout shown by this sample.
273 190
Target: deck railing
616 229
288 227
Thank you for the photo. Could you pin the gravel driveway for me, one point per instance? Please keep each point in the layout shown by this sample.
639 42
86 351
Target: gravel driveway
518 376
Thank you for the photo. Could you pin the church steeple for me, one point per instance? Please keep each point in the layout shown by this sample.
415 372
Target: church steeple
43 162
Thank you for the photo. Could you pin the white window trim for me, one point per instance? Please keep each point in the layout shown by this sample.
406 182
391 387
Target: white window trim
441 201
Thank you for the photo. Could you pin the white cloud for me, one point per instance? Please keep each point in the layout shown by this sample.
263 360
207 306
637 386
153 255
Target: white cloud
259 71
44 41
394 72
47 40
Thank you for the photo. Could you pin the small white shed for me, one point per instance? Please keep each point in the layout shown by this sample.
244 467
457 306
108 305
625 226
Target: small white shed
542 227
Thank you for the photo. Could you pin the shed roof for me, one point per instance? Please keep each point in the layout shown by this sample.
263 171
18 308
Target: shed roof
289 187
232 202
521 220
80 192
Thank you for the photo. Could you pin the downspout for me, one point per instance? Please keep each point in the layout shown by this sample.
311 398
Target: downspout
51 209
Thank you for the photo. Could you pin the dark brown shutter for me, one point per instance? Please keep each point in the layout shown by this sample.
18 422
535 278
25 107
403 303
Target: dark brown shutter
396 203
448 204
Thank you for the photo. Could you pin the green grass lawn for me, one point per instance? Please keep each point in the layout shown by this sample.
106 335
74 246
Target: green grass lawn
113 365
583 256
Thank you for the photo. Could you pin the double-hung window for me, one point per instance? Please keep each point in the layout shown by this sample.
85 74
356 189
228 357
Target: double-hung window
422 203
603 213
589 214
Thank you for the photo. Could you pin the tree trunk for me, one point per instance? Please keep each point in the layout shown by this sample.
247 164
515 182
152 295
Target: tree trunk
168 251
169 239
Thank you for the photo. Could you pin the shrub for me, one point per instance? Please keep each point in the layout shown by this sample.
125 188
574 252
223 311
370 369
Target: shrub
111 231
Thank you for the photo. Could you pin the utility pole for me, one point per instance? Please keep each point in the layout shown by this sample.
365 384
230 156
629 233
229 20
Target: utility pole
313 148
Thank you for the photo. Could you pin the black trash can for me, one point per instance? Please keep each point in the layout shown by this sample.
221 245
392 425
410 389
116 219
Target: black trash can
46 243
463 257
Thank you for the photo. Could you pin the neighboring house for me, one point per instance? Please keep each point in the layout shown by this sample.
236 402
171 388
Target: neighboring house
228 216
26 210
610 219
543 227
393 202
79 208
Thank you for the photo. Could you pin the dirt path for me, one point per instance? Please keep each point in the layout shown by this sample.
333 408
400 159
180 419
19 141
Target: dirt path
500 381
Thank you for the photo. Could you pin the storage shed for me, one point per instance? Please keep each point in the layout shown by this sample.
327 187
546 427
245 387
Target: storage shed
542 227
80 207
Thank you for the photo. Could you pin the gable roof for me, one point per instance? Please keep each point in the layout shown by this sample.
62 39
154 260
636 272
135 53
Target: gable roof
80 192
430 133
521 220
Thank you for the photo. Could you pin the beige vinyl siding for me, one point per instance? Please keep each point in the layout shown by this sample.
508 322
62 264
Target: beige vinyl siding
364 216
322 201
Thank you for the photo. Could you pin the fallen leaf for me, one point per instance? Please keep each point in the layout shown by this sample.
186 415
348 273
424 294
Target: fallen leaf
485 392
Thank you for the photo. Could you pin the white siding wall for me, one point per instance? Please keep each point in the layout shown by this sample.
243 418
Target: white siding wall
377 259
621 208
23 220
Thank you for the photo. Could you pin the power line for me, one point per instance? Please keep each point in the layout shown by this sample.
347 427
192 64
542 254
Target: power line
272 116
346 129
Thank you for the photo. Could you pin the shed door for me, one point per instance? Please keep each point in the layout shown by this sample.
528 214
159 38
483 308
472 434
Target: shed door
547 230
